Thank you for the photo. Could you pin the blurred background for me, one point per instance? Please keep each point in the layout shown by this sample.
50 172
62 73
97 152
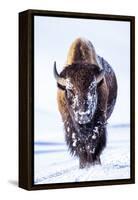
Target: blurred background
53 37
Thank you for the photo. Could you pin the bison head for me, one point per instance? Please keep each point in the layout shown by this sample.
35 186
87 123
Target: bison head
80 81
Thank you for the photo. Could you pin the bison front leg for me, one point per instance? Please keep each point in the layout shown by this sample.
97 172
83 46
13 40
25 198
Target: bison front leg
98 161
82 156
100 134
82 163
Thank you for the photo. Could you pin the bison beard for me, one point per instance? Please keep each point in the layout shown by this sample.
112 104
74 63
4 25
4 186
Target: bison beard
86 141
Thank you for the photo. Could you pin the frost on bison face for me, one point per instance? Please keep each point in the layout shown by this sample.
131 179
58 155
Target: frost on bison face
87 91
81 95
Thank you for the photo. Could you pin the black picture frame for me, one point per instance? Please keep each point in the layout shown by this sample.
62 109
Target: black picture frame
26 98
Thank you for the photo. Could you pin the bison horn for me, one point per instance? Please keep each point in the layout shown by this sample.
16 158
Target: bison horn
100 76
59 79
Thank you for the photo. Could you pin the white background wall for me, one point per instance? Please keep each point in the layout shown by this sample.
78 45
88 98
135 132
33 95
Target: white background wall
9 97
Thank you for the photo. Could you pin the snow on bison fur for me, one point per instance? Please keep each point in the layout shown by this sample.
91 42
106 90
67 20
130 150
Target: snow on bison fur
87 91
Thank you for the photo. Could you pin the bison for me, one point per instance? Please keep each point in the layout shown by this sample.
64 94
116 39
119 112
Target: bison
86 96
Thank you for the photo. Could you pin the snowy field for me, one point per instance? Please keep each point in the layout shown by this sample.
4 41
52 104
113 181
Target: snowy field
53 163
53 37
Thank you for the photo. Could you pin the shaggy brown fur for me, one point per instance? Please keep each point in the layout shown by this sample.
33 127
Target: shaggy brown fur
82 66
81 51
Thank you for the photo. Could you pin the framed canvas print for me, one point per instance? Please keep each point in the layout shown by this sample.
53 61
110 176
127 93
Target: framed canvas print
76 99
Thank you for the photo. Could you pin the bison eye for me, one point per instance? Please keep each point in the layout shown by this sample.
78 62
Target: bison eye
92 88
92 85
70 93
93 91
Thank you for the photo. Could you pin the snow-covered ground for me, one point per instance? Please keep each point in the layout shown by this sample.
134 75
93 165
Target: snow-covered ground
54 164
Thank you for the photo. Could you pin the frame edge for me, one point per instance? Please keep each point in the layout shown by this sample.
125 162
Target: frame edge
25 100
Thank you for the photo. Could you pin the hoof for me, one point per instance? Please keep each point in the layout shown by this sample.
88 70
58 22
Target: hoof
86 164
82 164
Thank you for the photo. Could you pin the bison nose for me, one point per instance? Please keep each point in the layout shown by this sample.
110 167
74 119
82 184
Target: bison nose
83 107
84 113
